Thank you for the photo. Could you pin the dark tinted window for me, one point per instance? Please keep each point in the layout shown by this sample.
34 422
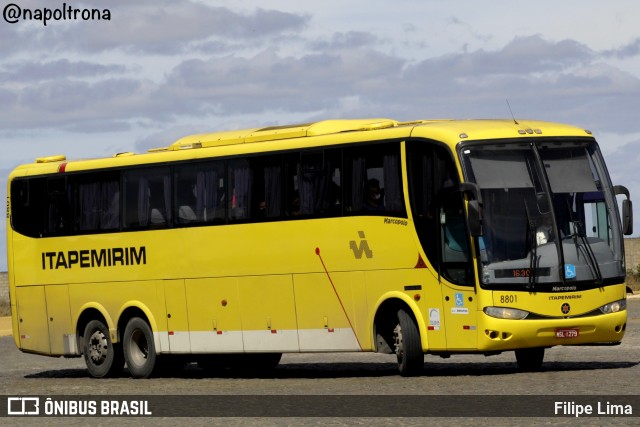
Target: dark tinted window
200 193
313 183
373 182
97 202
147 198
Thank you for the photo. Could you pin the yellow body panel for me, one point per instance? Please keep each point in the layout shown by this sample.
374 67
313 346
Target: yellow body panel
33 330
59 318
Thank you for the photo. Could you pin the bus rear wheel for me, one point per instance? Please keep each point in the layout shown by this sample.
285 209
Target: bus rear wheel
408 347
139 348
530 359
103 357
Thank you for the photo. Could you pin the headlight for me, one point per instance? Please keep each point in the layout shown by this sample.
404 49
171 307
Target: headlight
614 307
506 313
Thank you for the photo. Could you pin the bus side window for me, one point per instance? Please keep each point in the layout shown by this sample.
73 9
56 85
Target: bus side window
98 203
240 187
373 180
266 200
58 219
313 183
200 190
147 198
28 198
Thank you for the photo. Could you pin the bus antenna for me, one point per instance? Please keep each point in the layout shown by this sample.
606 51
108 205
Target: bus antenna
511 111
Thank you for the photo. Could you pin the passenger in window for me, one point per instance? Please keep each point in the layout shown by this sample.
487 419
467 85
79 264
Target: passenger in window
262 209
373 200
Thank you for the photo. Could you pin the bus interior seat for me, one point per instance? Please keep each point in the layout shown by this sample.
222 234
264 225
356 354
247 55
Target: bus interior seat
156 217
186 214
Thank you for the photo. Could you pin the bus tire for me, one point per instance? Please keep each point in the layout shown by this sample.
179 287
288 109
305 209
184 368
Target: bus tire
139 348
408 347
530 359
102 357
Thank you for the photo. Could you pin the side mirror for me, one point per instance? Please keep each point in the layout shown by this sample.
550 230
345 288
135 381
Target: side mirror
627 209
474 206
627 217
475 218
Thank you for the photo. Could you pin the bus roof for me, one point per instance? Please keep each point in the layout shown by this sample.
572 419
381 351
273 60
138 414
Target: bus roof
293 136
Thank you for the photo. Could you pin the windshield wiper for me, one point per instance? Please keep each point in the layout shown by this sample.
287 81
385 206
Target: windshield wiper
585 247
533 247
588 251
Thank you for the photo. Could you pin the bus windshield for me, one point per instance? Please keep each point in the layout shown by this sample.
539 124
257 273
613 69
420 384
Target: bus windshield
550 215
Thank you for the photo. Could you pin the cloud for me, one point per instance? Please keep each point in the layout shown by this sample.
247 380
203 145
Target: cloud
523 56
29 71
348 40
268 81
66 103
169 27
629 50
561 81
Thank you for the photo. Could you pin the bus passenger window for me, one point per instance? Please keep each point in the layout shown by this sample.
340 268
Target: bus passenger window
147 198
373 180
200 193
240 176
98 204
312 184
266 194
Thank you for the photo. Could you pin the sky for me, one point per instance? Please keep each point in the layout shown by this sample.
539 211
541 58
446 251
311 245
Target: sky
139 74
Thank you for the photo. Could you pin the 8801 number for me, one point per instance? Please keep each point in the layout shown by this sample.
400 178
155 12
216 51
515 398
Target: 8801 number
508 299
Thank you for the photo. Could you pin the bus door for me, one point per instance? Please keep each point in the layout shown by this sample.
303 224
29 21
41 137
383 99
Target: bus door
456 274
438 214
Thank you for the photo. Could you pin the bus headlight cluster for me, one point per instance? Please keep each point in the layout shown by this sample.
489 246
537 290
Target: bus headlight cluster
614 307
506 313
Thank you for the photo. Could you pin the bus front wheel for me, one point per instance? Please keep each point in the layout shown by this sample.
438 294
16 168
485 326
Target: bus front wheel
530 359
408 347
139 348
103 357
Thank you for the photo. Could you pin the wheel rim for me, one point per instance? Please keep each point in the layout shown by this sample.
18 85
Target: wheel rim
139 347
98 347
397 342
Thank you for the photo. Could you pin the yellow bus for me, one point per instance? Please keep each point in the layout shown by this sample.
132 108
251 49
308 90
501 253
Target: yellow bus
436 237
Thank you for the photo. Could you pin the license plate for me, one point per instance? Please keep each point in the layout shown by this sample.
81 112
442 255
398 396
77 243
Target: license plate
567 333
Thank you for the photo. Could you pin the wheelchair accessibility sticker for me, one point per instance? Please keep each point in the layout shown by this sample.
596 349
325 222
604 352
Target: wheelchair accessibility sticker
569 271
459 308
